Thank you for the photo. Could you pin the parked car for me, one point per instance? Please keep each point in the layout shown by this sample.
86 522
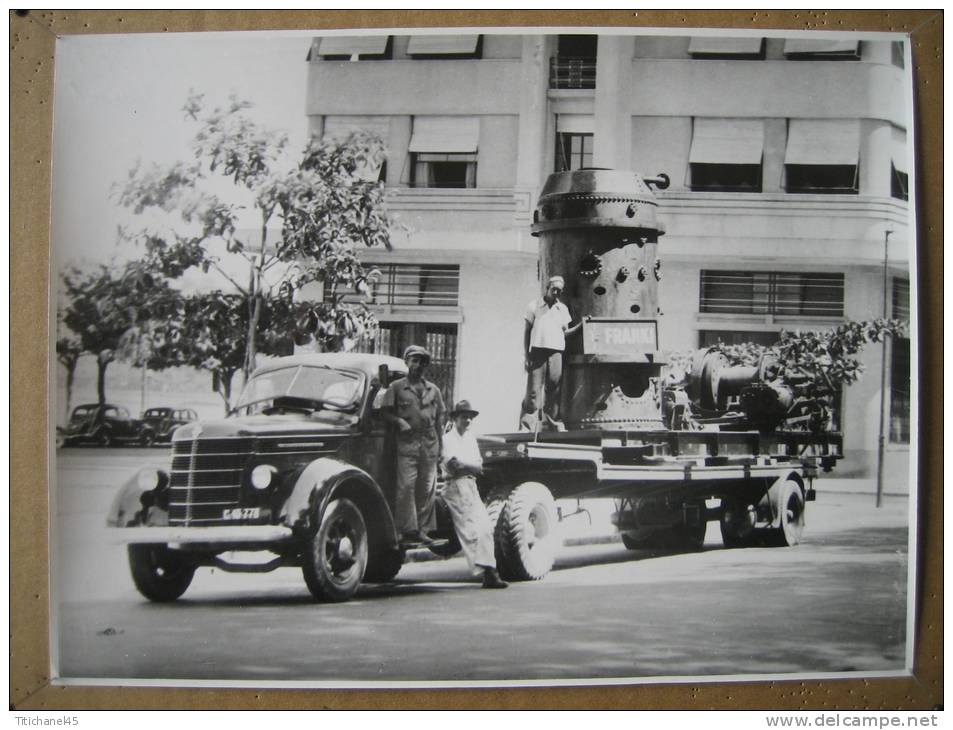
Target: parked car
104 425
163 421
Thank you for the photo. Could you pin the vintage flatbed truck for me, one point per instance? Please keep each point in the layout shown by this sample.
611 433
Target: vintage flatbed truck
301 474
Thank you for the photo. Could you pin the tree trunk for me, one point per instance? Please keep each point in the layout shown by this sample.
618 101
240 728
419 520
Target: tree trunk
251 347
102 363
70 374
142 389
223 380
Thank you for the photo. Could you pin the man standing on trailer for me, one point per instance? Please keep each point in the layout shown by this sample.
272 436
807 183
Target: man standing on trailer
544 340
415 406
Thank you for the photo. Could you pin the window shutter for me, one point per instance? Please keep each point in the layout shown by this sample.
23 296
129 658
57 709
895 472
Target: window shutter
727 141
445 134
823 142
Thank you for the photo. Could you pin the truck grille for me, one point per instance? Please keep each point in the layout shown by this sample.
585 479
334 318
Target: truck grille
205 479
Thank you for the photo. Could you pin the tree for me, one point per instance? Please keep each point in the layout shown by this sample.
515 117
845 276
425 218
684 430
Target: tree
827 359
310 218
68 351
110 309
95 312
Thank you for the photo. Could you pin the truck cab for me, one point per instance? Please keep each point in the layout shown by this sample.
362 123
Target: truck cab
301 470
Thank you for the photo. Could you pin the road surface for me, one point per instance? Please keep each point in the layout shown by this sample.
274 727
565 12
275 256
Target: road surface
834 604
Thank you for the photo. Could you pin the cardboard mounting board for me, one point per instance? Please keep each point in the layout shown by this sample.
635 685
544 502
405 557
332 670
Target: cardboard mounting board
32 37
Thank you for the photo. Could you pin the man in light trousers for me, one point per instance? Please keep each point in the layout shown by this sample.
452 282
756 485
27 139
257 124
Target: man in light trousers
463 463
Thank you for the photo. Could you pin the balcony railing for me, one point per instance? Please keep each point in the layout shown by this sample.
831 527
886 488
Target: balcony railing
572 73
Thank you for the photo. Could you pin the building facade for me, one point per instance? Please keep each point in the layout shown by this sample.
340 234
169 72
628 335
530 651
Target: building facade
787 206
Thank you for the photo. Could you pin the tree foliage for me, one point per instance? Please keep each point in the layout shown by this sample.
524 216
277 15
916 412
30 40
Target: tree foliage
69 349
108 309
310 216
827 359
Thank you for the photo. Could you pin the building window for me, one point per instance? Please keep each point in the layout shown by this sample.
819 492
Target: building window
418 285
900 390
574 66
440 339
900 366
822 156
900 300
726 155
710 338
717 47
573 151
445 47
351 48
898 164
772 293
443 171
898 183
821 49
821 179
444 152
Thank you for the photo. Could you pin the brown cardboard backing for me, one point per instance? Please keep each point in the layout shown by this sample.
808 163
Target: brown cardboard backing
32 37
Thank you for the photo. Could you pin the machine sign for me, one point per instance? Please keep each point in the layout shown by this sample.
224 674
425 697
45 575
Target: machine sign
618 336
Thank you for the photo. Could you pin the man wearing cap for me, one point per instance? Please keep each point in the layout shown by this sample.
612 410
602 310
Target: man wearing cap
462 463
415 407
547 324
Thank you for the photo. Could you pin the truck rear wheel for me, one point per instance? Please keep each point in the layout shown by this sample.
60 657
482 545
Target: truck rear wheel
160 574
528 534
787 506
334 559
737 524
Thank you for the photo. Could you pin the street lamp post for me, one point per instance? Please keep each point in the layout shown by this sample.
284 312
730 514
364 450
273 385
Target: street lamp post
883 380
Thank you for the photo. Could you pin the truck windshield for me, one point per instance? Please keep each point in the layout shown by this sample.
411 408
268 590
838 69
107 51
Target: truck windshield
309 388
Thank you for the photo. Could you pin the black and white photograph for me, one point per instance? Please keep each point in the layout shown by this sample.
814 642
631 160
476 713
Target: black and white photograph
483 357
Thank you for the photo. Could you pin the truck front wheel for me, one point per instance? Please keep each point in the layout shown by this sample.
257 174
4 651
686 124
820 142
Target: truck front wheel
528 534
160 574
385 567
334 559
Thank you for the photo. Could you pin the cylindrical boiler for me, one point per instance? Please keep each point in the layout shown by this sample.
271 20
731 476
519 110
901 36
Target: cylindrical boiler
598 229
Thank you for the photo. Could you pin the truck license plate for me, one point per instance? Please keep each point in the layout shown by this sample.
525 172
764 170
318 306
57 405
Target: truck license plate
241 513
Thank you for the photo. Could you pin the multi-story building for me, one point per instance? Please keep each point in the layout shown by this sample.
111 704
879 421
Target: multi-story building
787 207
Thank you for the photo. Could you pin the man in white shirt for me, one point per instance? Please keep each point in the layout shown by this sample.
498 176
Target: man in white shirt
547 323
463 463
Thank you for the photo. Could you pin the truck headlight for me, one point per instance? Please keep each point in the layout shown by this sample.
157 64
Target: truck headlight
262 475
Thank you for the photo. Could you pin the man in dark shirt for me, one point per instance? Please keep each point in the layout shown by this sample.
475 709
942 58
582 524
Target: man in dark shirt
415 407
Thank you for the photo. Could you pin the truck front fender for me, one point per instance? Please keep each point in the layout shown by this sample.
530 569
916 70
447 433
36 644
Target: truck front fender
135 504
326 479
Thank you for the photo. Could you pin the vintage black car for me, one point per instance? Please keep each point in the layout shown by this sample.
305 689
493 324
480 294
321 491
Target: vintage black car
163 421
104 425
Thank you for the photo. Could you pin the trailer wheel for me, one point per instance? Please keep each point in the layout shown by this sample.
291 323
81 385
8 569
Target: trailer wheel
640 539
737 524
528 532
494 510
690 537
787 505
335 558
